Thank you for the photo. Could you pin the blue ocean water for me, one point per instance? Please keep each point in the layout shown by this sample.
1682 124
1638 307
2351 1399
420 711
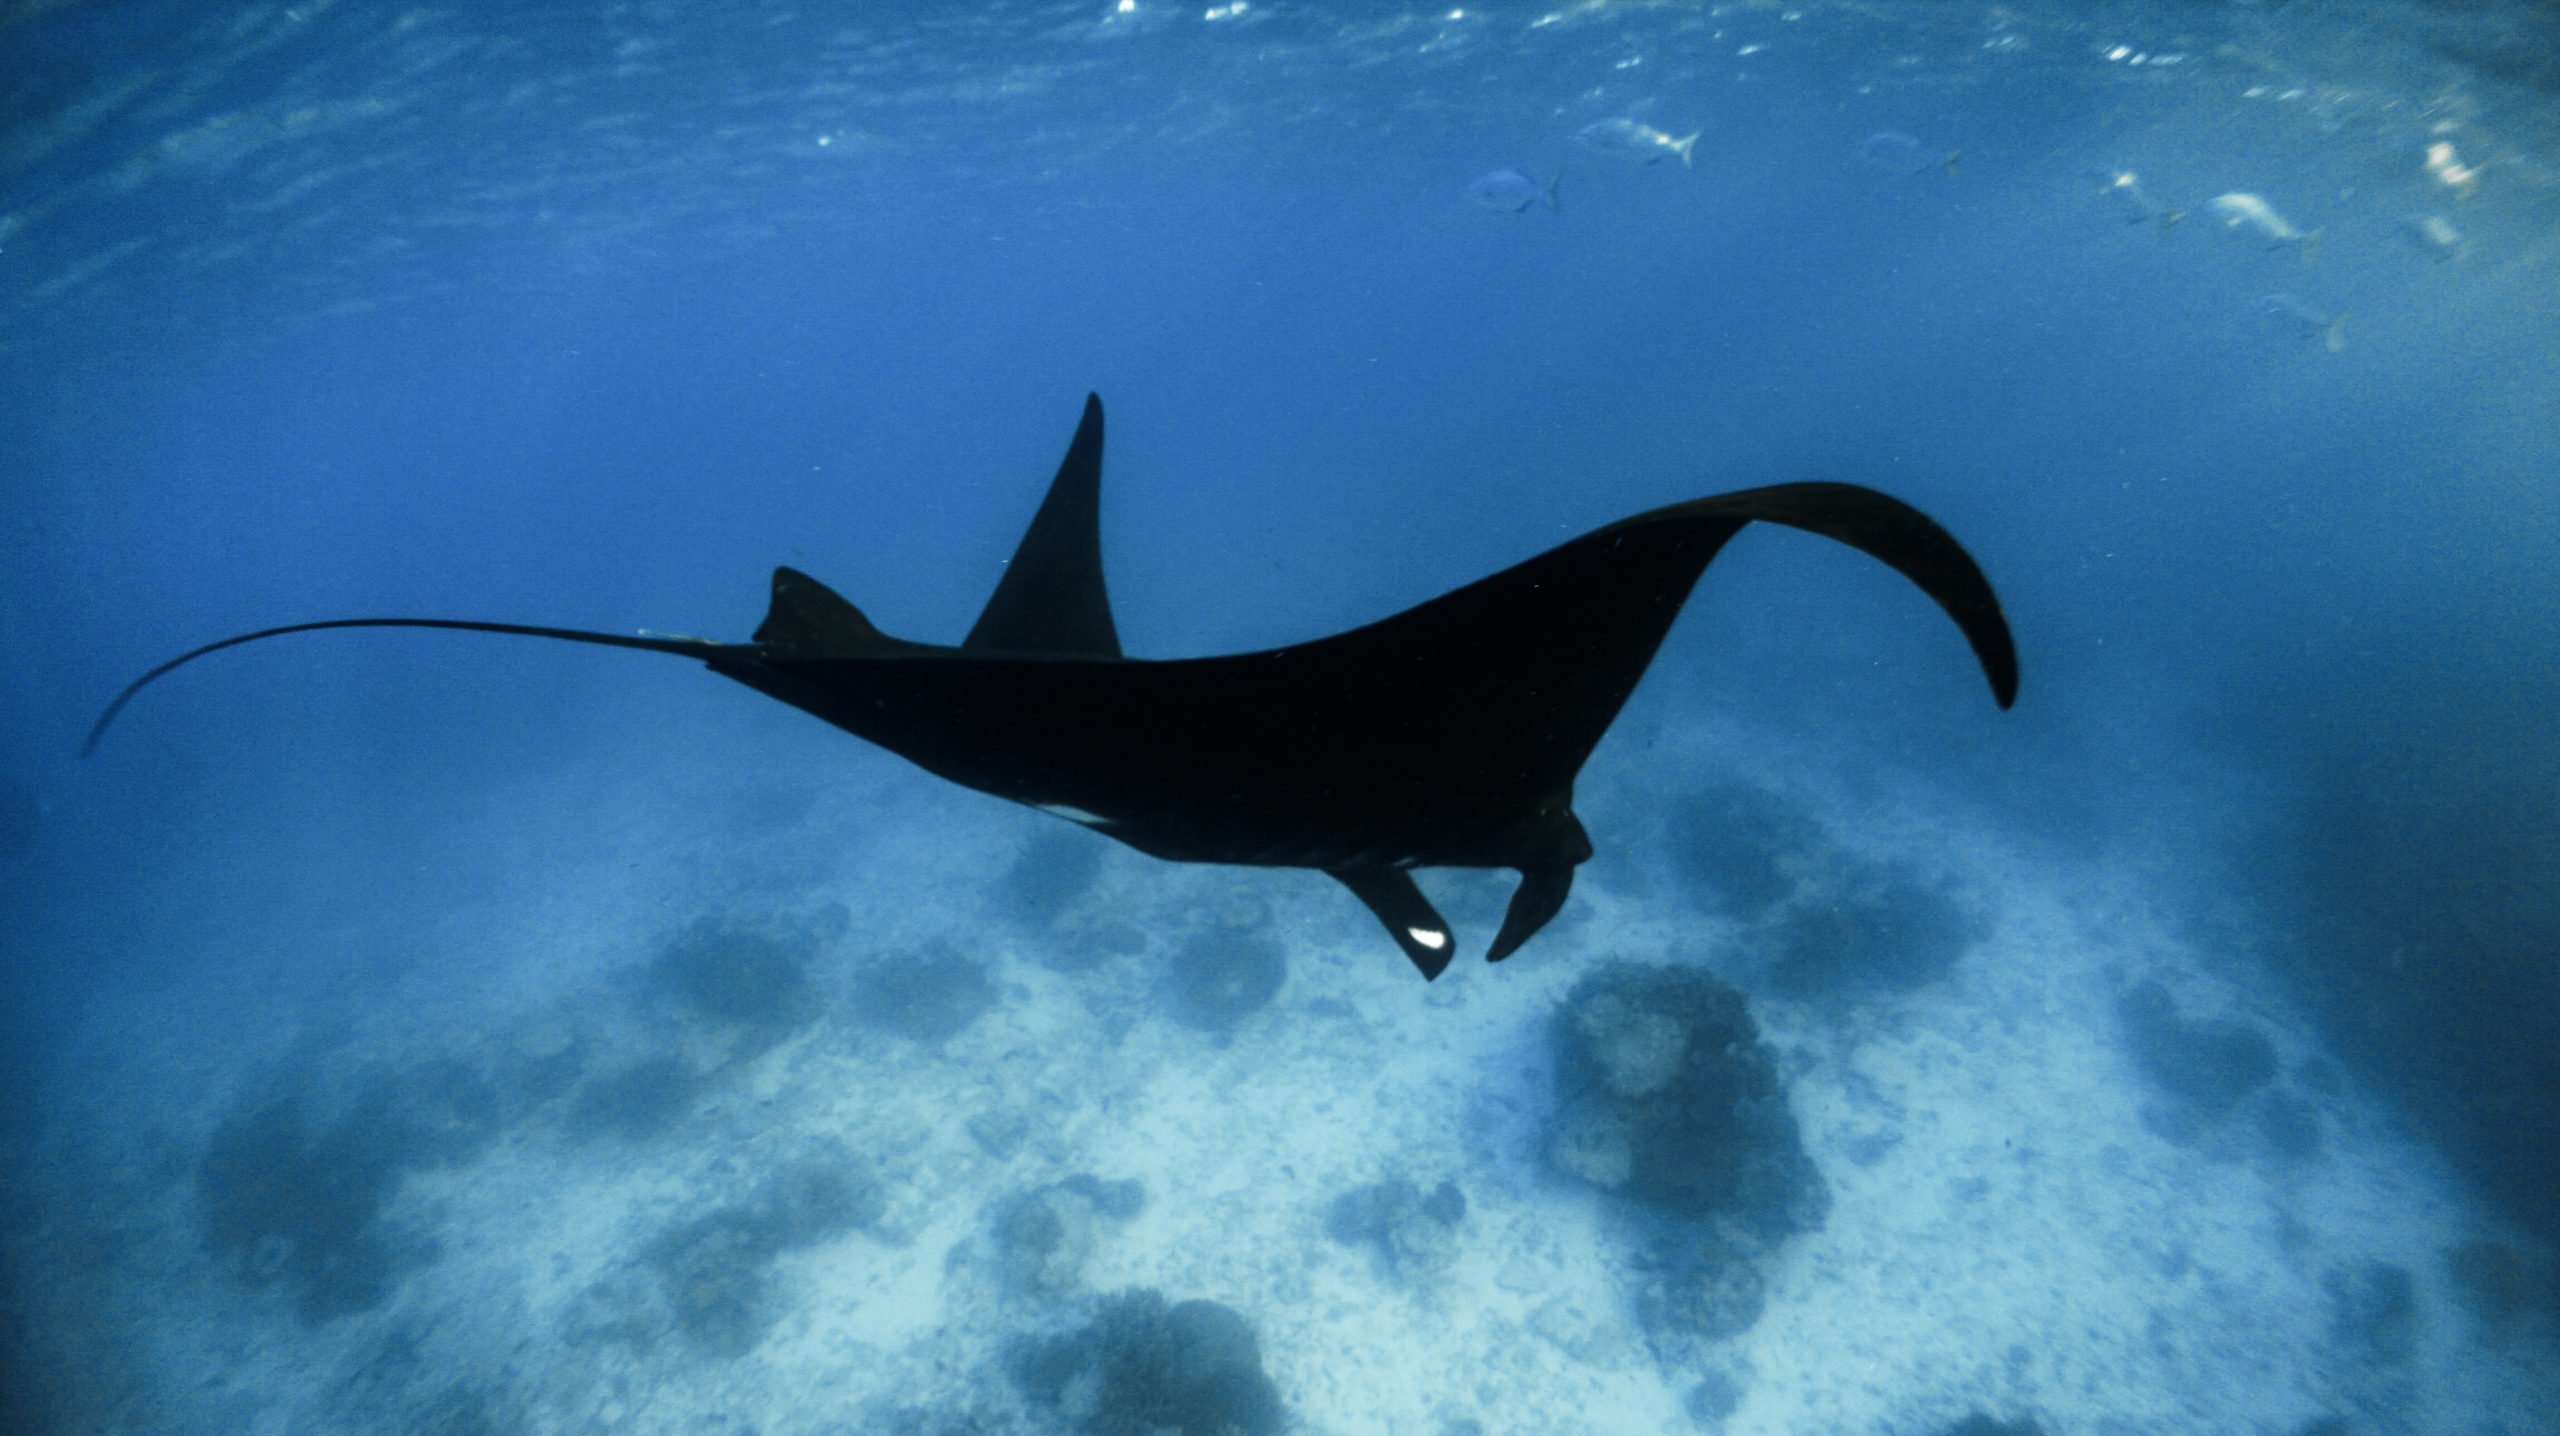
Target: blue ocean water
430 1032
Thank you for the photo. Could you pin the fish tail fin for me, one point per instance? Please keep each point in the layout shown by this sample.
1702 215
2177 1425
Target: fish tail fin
2169 220
1687 148
2334 338
1555 194
1951 167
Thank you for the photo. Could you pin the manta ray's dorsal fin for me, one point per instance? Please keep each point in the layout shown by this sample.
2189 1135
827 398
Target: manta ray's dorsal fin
1051 600
807 619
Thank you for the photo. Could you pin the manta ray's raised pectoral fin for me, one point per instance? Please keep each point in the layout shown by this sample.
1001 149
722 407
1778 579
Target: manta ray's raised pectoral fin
1888 530
1409 917
1051 599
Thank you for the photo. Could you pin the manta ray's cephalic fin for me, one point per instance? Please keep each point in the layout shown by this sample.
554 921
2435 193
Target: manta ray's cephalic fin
1407 915
1539 897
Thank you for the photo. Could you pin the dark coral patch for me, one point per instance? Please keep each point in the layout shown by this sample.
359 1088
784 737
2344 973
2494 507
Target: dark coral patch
739 976
1412 1232
1143 1368
1052 873
2204 1066
929 997
1222 976
1737 847
1666 1096
293 1195
715 1272
634 1102
1889 932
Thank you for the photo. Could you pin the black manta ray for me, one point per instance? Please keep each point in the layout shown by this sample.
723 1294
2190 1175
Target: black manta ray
1446 736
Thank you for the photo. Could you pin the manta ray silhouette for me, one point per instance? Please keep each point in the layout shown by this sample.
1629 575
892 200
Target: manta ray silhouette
1446 736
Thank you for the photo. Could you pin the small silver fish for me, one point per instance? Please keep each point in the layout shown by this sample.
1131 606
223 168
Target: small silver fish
1897 153
1641 143
2248 213
2290 313
1510 192
2450 171
2432 235
2123 190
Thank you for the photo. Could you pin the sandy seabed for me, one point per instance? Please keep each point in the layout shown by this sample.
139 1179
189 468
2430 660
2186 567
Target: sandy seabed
2010 1232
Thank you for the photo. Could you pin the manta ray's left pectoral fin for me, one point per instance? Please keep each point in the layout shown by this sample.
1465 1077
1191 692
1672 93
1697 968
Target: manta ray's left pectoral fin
1539 897
1409 916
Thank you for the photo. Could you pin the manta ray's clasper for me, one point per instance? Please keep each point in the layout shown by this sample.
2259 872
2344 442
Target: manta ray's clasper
1445 736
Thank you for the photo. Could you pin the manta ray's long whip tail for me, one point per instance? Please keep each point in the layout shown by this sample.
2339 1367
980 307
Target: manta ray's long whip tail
689 647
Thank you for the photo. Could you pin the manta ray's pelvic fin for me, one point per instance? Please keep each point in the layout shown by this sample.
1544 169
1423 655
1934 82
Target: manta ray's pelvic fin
1051 599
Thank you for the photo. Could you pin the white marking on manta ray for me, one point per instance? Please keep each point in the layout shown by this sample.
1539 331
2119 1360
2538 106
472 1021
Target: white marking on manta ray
1071 814
1429 938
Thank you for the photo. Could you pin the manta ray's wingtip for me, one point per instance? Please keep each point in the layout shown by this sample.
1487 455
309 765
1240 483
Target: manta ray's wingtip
1999 657
1903 539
